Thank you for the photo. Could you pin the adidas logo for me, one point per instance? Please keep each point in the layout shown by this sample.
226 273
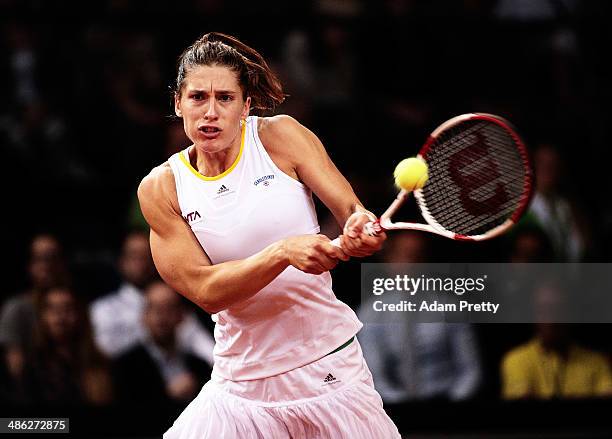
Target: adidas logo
222 189
329 378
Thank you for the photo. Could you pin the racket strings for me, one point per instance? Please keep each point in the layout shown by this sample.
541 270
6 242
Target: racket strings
452 218
477 178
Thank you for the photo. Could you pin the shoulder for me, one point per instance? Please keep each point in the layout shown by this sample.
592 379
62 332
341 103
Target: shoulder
17 312
281 128
103 306
520 355
594 359
157 193
278 125
18 303
159 179
284 135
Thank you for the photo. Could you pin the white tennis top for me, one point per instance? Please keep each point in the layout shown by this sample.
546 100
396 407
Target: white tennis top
294 320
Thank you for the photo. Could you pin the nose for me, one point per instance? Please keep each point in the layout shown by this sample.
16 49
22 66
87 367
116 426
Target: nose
211 112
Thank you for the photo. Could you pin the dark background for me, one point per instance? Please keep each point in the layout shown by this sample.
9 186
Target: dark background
89 114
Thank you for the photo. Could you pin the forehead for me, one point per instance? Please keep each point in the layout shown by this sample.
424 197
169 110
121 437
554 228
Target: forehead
212 78
44 243
59 296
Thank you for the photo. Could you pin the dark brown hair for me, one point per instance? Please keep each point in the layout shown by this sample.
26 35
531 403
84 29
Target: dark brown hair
255 77
89 366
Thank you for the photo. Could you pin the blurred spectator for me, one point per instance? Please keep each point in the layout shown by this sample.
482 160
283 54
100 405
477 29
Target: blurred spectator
135 80
527 248
403 95
321 68
552 364
335 70
157 369
134 83
47 269
34 128
23 60
529 243
553 211
117 317
119 69
411 360
65 367
297 72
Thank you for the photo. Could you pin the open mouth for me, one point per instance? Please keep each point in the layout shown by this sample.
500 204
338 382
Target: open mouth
210 132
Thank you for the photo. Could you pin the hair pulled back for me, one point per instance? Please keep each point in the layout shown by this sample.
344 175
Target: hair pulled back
255 77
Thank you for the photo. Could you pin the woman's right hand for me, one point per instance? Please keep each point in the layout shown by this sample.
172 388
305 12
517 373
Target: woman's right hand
312 254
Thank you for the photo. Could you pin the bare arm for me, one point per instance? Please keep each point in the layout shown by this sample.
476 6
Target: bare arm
299 153
183 264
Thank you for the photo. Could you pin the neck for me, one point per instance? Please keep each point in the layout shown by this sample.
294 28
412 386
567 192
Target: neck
560 347
211 164
215 163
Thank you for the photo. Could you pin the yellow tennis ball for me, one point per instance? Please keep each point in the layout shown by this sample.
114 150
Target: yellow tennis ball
411 174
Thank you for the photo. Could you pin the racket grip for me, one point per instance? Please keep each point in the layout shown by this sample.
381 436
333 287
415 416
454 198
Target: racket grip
371 228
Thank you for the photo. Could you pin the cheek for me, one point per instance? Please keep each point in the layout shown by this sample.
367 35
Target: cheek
187 120
189 126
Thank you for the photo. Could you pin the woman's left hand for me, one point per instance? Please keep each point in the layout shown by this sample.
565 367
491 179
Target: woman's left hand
354 241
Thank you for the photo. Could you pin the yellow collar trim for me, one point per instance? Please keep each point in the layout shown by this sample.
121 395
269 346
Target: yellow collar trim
224 173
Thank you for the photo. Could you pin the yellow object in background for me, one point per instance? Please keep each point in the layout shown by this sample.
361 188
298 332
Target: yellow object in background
530 371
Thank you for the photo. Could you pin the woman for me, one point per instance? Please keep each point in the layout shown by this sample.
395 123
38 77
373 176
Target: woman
233 228
65 367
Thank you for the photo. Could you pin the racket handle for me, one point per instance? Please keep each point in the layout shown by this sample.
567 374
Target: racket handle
371 228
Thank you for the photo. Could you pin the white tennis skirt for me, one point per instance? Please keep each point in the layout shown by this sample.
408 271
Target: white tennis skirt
332 398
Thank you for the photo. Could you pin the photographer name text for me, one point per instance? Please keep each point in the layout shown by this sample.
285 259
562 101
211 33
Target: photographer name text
456 286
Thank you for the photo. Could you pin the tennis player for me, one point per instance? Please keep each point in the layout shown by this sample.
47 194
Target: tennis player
234 229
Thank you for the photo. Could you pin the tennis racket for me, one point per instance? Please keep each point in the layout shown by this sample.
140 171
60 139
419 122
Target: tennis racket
480 181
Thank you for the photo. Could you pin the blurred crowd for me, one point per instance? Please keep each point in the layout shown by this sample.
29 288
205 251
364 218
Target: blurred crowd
136 344
86 112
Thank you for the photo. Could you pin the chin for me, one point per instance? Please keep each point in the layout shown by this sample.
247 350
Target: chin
211 146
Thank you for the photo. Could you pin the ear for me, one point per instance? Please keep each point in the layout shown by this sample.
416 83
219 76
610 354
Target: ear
246 109
177 105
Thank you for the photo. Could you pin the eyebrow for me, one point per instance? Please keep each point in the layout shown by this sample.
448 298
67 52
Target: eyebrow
195 90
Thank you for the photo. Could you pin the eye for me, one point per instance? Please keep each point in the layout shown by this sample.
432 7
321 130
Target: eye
226 98
196 96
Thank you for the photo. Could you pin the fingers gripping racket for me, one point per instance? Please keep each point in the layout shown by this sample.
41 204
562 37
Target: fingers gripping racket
480 181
